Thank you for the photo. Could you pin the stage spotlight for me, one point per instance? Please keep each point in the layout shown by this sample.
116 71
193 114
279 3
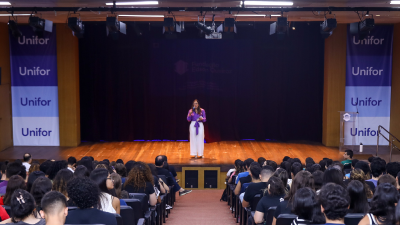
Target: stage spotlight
362 28
327 27
280 27
114 27
13 26
40 25
229 25
204 28
169 25
293 25
77 27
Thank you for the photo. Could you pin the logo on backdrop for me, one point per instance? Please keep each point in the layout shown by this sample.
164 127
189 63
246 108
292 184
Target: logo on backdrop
35 40
181 67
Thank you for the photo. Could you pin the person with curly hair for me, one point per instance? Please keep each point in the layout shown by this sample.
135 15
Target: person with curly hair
358 174
140 180
109 203
60 183
85 194
335 202
34 167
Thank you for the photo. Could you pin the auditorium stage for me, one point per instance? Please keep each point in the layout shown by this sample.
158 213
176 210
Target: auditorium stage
220 154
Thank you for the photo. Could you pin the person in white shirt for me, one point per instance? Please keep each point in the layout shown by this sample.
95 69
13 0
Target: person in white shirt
27 161
71 163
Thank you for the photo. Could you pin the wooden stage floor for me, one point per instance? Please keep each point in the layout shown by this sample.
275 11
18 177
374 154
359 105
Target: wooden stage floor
217 153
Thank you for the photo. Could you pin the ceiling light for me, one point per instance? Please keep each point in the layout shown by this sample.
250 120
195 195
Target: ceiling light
280 3
15 14
249 15
395 2
143 15
276 15
134 3
377 15
5 3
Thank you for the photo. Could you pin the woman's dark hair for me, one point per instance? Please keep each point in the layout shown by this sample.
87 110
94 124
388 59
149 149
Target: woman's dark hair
129 166
322 163
383 203
296 167
364 167
22 205
117 184
272 164
285 158
358 174
198 110
81 171
120 169
283 175
261 161
318 179
297 160
32 177
275 186
238 166
139 175
313 168
45 166
310 160
87 162
99 177
15 182
34 167
41 186
55 167
335 201
305 206
288 167
302 179
61 180
358 198
84 192
354 162
333 175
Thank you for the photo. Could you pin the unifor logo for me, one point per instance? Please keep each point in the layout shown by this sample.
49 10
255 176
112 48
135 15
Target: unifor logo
181 67
346 117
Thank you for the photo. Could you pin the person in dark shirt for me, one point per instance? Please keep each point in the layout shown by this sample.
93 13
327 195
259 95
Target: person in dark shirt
85 194
306 207
171 168
260 178
273 195
245 179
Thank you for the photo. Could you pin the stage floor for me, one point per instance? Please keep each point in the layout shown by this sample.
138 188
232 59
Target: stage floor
216 154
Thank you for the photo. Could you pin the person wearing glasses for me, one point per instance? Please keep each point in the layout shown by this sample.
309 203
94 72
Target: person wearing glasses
196 117
108 202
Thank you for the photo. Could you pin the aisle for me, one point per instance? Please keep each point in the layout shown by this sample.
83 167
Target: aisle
201 207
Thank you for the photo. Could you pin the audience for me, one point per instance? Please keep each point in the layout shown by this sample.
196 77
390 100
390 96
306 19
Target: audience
358 174
60 183
32 177
108 202
121 194
40 187
393 168
247 163
257 185
333 175
378 167
13 168
71 163
334 201
27 161
54 208
283 175
306 207
358 197
55 167
15 182
159 162
244 179
34 167
81 171
348 156
387 178
85 194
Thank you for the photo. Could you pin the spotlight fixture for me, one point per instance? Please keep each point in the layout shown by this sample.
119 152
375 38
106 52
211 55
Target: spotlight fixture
280 27
114 27
362 28
77 27
13 26
40 25
327 27
204 28
293 25
229 25
207 30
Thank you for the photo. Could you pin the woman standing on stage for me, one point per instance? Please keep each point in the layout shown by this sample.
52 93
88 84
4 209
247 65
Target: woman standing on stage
196 116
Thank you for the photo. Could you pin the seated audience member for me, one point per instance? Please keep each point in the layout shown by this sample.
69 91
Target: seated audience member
55 167
85 194
129 166
273 195
121 194
272 164
87 162
15 182
170 167
387 178
301 180
34 167
13 168
158 182
247 163
318 180
313 168
335 202
32 177
393 168
23 209
54 208
108 202
262 161
40 187
358 174
45 166
348 156
120 161
296 167
235 171
383 206
60 183
244 180
377 169
258 183
27 161
333 175
81 171
159 162
358 197
364 167
306 207
322 163
121 170
283 175
140 180
71 163
288 167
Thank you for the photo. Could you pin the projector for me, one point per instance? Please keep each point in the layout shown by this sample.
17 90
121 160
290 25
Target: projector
214 35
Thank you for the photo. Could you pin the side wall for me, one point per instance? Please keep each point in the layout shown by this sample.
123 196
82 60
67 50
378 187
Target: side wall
395 101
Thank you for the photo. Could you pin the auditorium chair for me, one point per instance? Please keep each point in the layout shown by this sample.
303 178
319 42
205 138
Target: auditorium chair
148 212
270 215
119 219
250 210
171 195
127 214
7 208
353 218
136 205
285 219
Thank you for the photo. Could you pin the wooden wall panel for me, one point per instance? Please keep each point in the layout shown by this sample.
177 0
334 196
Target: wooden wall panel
68 86
395 100
5 90
334 84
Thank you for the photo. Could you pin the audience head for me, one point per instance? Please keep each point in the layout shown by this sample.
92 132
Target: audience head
32 177
255 170
247 163
55 167
129 166
322 163
27 158
318 179
305 206
272 164
314 167
83 192
72 161
22 205
333 175
296 167
384 202
348 154
281 174
393 168
15 182
302 179
378 167
310 160
285 158
261 161
87 162
139 175
354 162
34 167
81 171
358 197
159 162
102 178
41 186
45 166
117 184
334 201
387 178
275 186
288 167
364 167
61 180
120 169
238 166
14 168
54 206
120 161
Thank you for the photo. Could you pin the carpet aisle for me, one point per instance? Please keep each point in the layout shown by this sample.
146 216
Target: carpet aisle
201 207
